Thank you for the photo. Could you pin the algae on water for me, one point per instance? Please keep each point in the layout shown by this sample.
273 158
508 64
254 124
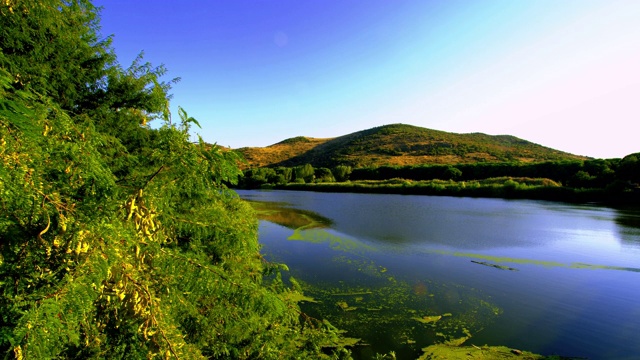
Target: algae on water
428 319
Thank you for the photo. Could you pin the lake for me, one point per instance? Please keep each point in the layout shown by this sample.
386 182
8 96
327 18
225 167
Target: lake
403 272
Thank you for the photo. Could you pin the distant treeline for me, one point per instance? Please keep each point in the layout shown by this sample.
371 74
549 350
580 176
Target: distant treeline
611 174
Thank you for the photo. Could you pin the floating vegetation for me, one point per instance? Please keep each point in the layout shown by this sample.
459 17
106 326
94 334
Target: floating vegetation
455 352
354 294
428 319
387 311
458 341
501 267
602 267
319 236
364 266
345 307
502 259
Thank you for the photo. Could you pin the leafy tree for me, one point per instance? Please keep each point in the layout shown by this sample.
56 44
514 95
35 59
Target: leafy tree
323 175
117 244
629 168
341 172
582 179
452 173
304 172
51 47
286 172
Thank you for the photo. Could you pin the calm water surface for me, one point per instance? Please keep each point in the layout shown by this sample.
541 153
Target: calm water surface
546 277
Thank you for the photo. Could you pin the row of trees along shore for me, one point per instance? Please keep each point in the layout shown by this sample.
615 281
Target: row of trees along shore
118 240
579 180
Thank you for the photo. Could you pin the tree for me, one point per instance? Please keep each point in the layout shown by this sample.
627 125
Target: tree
324 175
451 173
342 172
286 173
51 47
304 172
122 245
629 168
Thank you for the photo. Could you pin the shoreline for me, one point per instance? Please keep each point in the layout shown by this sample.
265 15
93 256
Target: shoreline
508 190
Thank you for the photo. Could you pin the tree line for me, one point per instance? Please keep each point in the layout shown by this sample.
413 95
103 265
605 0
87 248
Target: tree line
594 173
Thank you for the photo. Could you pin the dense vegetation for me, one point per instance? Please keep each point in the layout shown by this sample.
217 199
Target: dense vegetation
401 145
614 180
118 240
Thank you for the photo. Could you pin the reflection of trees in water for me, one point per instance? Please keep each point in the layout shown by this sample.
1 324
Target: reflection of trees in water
628 222
292 218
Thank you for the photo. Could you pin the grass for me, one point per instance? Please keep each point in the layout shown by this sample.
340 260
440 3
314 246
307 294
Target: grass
509 188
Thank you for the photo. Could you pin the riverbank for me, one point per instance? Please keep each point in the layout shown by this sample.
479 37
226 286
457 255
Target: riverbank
507 188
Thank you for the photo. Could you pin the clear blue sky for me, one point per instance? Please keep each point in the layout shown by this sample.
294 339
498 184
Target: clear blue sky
561 73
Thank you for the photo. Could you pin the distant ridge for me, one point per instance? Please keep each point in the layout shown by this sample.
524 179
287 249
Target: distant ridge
400 144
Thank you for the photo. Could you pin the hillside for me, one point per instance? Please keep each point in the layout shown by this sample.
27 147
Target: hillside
400 144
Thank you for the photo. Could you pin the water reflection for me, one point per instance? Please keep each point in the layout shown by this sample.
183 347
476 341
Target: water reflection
628 222
280 213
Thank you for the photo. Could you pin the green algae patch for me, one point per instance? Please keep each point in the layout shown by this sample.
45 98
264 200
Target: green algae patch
428 319
345 307
453 352
602 267
416 313
502 259
355 293
458 341
337 243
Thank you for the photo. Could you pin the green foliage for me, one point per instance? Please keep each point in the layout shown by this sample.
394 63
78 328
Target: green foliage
323 175
304 172
287 173
596 180
342 172
118 240
452 173
51 47
629 168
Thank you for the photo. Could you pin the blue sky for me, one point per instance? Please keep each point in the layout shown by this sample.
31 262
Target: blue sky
561 73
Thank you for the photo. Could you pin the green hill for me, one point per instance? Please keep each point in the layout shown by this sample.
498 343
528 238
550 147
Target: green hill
400 144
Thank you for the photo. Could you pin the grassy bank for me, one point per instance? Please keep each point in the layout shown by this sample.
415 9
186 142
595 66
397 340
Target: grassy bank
506 187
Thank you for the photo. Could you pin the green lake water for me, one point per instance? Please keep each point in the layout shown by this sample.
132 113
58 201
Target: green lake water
405 272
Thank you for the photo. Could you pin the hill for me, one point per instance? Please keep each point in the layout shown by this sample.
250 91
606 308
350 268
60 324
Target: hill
400 144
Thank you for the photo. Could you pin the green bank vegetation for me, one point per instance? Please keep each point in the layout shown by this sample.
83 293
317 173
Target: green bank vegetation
601 180
118 240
